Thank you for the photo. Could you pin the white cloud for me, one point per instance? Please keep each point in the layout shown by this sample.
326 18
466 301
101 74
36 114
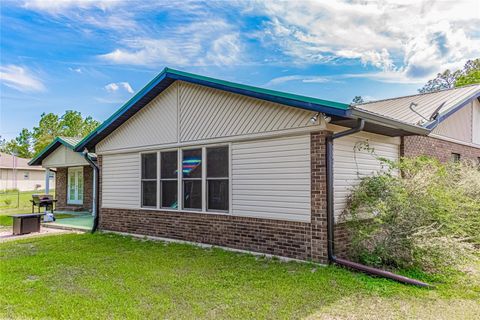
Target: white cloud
76 70
20 78
413 39
302 78
61 6
212 42
116 86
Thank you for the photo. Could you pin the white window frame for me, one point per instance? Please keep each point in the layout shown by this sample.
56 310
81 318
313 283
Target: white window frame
142 180
218 178
180 179
160 179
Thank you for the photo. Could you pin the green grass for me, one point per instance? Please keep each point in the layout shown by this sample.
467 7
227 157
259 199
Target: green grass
13 203
107 276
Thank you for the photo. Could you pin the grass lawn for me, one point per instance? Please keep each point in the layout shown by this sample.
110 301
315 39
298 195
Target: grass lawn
87 276
14 203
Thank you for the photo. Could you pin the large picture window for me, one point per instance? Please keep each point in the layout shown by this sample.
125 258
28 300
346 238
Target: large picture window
169 179
217 178
192 178
149 180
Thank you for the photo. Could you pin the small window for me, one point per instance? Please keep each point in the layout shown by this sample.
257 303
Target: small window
217 179
149 180
192 178
26 175
169 179
455 157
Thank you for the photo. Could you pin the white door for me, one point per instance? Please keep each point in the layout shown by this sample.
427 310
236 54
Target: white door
75 185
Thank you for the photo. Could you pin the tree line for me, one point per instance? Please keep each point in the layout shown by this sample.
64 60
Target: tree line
470 74
30 142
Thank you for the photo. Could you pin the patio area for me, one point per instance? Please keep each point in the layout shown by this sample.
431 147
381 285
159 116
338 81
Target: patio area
82 220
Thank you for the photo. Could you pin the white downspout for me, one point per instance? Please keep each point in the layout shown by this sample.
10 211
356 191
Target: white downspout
47 181
94 190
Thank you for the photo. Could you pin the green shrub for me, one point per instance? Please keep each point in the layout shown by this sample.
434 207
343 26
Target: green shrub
426 217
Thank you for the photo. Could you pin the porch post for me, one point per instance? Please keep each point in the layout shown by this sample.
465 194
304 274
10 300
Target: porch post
47 180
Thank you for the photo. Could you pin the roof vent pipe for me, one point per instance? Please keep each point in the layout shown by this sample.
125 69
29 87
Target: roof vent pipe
331 217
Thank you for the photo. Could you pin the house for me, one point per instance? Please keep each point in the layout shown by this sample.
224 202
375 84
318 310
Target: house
74 175
204 160
452 116
15 173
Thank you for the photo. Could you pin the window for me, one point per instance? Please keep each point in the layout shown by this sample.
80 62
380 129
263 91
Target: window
26 175
455 157
217 178
149 180
192 179
169 179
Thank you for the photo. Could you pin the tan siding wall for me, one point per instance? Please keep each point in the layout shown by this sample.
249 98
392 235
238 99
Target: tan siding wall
207 113
350 166
36 177
458 126
155 124
476 122
121 181
64 157
271 178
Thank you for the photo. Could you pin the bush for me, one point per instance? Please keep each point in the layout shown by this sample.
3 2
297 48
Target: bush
427 217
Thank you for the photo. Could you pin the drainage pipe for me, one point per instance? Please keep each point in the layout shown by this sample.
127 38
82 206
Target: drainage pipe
95 200
331 218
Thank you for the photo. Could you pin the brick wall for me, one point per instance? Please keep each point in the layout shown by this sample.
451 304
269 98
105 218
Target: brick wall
87 187
61 188
61 185
420 145
299 240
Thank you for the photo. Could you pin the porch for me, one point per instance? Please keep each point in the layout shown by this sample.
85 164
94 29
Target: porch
71 220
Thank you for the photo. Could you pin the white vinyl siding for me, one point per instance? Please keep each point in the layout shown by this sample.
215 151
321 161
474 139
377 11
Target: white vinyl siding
458 126
271 178
121 181
64 157
207 113
476 122
155 124
351 165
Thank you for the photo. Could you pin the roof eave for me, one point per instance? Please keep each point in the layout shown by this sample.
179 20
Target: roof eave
372 117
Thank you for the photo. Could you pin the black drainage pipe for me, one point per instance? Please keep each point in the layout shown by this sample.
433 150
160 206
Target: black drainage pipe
331 218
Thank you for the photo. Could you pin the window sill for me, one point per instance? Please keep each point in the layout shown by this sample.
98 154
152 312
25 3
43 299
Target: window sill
186 211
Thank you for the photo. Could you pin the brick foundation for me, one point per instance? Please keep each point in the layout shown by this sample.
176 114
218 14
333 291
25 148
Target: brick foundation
413 146
61 186
299 240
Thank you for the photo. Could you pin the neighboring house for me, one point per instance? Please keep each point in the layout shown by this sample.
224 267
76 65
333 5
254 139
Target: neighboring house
15 173
74 175
204 160
455 131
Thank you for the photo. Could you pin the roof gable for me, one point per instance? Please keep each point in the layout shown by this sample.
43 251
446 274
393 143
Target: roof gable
68 142
445 102
168 76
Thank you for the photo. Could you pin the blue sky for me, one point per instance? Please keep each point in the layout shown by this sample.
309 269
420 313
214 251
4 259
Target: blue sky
93 55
